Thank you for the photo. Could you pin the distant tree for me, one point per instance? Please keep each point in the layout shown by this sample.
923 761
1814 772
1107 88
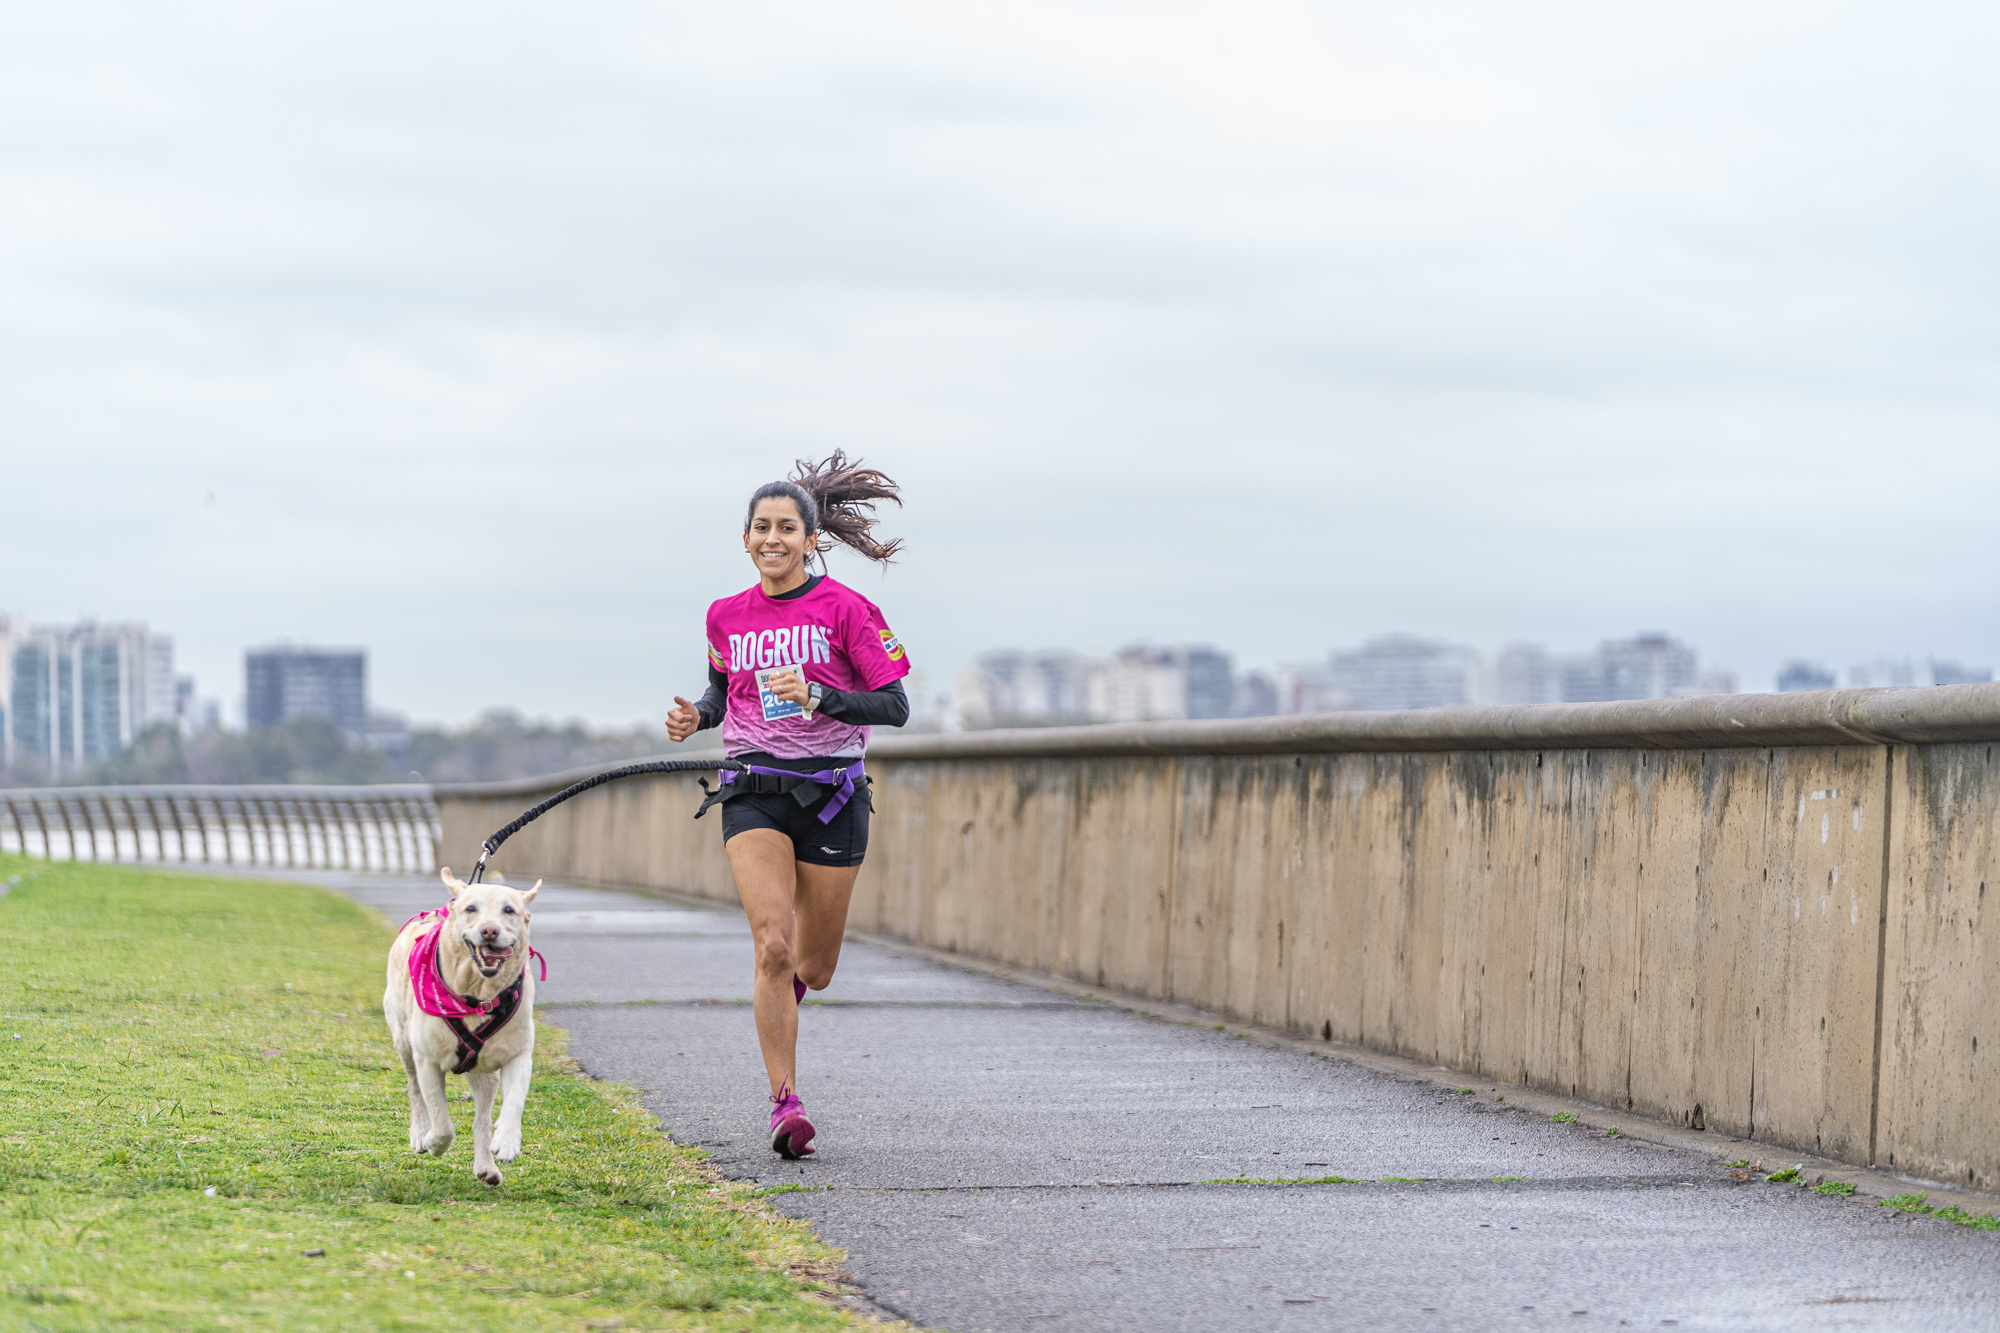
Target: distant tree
501 744
306 749
156 756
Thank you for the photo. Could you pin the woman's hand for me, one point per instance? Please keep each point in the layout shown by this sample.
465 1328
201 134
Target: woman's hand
790 686
683 721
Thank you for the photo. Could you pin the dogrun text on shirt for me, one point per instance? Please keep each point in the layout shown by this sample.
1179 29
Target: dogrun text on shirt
796 645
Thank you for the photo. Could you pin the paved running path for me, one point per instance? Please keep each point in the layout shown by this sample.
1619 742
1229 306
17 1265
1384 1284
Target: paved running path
999 1157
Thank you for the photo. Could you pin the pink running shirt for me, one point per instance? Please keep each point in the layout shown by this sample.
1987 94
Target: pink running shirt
833 635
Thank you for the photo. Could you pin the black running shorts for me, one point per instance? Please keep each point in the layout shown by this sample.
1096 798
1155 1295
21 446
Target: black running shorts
841 842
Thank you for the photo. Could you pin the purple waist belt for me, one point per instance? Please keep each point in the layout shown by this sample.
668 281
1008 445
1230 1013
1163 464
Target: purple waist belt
840 779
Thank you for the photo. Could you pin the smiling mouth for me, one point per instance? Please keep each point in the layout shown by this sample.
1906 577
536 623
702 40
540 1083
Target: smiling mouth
489 960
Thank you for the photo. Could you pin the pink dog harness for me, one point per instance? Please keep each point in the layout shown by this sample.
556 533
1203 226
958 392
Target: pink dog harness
439 1000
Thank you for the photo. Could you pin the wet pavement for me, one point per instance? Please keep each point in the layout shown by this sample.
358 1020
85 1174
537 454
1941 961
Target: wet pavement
996 1156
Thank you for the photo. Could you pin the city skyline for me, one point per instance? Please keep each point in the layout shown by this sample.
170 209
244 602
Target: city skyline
1514 672
1141 682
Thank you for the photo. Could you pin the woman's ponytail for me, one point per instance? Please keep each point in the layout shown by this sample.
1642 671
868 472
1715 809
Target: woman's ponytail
837 498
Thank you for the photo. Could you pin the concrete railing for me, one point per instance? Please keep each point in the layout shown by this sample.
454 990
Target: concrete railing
385 827
1768 915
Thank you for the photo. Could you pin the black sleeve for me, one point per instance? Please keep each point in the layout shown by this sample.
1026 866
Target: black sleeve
714 700
886 707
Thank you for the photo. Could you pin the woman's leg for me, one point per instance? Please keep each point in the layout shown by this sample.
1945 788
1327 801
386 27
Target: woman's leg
798 918
766 881
820 908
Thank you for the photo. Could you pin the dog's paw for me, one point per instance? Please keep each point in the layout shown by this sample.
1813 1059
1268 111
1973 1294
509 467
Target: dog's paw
507 1147
489 1175
436 1144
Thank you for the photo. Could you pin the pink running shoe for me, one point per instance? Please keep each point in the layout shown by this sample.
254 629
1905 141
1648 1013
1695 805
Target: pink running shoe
798 990
791 1132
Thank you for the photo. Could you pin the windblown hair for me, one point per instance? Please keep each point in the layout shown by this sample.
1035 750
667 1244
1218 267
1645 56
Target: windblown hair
837 500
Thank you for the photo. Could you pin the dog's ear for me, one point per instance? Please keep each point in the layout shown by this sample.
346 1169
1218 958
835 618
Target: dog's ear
456 886
528 895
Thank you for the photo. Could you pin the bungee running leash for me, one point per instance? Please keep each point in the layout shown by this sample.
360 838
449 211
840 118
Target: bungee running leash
801 787
492 844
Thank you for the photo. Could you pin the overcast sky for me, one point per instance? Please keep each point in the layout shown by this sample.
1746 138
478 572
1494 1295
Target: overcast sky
463 331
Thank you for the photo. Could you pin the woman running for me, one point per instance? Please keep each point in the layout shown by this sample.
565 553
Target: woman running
799 669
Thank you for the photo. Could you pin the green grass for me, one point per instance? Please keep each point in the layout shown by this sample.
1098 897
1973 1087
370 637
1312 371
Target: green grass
1916 1203
1564 1117
1784 1177
1284 1180
1739 1164
1839 1189
202 1090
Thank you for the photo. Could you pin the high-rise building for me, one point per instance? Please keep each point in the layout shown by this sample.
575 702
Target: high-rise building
1646 666
1520 673
10 630
1146 683
1403 671
1952 673
1017 689
193 712
1886 671
79 693
284 682
1211 681
1137 684
1307 687
1256 696
1797 675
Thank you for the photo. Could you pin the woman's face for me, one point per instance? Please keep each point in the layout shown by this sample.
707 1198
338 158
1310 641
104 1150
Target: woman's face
778 541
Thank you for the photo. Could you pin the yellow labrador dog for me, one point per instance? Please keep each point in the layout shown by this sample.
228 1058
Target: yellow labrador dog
461 1000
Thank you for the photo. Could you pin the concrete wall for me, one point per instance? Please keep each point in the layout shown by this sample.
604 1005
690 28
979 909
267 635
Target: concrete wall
1784 937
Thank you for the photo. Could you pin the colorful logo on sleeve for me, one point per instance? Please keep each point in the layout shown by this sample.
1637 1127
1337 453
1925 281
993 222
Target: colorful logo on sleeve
715 659
892 646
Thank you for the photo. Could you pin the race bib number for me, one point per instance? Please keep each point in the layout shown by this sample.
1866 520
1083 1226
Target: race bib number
774 707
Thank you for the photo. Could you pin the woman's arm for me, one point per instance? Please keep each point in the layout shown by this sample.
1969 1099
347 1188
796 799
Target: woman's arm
886 707
688 718
714 700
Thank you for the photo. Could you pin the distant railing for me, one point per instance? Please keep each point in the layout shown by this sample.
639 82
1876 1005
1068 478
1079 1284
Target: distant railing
389 827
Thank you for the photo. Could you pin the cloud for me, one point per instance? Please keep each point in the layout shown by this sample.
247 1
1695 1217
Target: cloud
1275 326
